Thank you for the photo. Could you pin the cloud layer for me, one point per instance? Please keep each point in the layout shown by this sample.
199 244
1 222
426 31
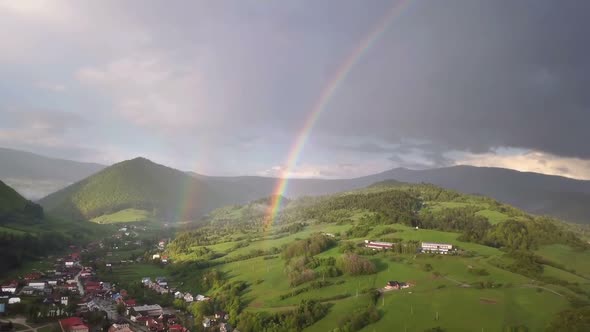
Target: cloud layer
225 87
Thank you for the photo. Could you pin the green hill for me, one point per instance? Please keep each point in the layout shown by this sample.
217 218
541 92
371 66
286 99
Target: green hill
309 270
141 187
26 234
16 209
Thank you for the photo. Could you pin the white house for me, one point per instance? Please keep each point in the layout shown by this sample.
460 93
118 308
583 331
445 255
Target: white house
14 300
156 256
440 248
375 245
9 288
178 295
201 298
69 263
37 285
206 322
188 297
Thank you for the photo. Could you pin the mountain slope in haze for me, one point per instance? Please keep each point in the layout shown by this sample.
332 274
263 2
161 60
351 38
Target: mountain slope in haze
35 176
165 193
15 209
557 196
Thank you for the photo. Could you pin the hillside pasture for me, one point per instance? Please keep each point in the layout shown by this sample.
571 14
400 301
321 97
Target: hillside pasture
449 289
568 256
123 216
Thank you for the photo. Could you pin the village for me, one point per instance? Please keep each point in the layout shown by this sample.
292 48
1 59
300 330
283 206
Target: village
78 300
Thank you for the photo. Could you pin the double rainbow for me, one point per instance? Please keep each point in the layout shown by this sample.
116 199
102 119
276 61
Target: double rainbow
320 105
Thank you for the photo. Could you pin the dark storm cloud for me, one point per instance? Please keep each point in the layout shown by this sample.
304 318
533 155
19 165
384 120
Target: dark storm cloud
474 76
231 84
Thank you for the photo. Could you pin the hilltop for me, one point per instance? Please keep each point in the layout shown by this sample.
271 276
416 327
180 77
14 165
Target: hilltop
133 190
309 269
35 176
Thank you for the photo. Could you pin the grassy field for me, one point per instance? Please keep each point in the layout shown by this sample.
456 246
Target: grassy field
123 216
568 256
11 230
474 290
488 310
494 217
27 267
447 290
133 272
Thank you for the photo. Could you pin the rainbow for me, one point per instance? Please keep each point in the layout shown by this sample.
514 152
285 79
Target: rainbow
320 105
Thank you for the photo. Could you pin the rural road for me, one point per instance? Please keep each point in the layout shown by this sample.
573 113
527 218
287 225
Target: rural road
80 287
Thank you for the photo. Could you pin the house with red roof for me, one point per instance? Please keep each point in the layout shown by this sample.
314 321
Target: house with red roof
10 287
176 328
73 324
33 276
130 303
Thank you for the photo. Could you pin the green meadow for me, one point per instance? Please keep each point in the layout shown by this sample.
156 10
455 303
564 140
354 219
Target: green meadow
579 260
123 216
442 297
133 273
478 289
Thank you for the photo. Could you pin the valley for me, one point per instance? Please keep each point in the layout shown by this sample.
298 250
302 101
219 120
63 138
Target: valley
309 268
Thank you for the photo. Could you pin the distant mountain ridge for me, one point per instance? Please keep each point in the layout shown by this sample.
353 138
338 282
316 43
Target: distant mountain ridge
561 197
35 176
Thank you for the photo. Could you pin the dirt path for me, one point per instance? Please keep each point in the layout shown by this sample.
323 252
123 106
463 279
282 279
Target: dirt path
541 287
457 282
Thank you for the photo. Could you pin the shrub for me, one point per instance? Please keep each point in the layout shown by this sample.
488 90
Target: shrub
356 265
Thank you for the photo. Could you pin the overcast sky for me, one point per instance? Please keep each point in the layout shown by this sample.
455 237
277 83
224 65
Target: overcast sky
224 87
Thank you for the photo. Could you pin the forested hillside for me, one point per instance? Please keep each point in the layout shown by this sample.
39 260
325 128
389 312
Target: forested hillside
16 209
26 233
560 197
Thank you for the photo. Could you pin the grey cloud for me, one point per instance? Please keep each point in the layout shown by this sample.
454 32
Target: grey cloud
44 131
467 76
474 76
54 121
365 147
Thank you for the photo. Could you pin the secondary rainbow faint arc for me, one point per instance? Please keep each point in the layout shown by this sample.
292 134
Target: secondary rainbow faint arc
320 104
